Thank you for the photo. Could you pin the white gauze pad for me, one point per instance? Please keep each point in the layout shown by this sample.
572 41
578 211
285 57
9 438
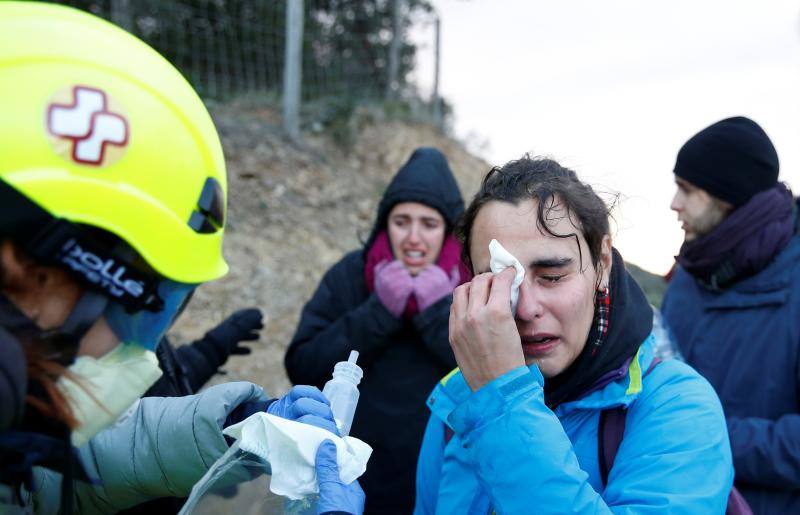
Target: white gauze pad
499 260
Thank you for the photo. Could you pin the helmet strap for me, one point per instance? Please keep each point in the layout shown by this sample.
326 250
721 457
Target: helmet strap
62 343
84 314
58 242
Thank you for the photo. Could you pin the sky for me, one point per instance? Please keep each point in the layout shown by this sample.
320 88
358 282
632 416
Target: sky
612 89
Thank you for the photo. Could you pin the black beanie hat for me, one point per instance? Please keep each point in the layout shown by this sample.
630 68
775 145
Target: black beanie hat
731 160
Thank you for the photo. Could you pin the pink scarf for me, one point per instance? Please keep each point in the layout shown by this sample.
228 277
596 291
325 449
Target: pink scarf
449 257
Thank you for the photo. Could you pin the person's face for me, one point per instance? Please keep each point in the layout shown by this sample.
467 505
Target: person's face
47 295
416 233
697 211
556 298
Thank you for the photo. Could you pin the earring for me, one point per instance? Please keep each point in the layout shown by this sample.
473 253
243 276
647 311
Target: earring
602 296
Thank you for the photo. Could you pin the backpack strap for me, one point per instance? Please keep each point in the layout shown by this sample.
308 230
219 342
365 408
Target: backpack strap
610 430
609 435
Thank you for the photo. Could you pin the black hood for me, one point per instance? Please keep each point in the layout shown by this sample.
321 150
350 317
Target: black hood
425 178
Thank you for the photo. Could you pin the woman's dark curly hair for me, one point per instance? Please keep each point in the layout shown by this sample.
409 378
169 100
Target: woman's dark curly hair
558 191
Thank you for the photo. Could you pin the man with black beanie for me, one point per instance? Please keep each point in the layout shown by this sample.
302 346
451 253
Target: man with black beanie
733 304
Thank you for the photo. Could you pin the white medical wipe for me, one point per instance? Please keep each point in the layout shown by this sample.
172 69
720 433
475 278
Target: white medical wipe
499 260
291 447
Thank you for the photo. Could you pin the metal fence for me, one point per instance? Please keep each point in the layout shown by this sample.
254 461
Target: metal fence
358 50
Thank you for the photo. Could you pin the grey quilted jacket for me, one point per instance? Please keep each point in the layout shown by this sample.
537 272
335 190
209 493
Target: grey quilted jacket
161 447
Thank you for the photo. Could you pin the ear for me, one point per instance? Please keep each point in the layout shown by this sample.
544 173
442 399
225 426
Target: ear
605 260
17 271
46 294
20 279
21 273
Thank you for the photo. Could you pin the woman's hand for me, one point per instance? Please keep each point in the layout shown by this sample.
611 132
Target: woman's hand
483 334
432 285
393 286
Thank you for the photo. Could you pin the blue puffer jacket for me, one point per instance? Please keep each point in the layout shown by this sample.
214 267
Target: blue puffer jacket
511 454
746 342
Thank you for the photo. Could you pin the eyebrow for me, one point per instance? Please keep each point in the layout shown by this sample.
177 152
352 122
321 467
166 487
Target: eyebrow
539 263
425 219
550 262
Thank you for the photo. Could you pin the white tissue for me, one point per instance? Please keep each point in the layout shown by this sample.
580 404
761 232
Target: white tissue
291 447
499 260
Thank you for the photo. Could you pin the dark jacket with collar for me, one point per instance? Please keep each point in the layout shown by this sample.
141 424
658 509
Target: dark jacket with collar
746 342
402 359
13 380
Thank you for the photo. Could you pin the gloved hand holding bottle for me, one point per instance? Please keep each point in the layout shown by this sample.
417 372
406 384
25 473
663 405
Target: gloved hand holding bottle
305 404
302 403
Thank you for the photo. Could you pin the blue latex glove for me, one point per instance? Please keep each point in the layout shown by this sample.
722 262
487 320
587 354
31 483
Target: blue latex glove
335 496
305 404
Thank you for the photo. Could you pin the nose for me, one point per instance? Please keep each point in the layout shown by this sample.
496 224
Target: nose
413 233
529 304
677 202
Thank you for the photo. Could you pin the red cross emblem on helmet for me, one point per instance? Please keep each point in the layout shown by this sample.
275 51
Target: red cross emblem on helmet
88 123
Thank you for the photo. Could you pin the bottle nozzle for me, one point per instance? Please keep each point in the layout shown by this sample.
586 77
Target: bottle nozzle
353 356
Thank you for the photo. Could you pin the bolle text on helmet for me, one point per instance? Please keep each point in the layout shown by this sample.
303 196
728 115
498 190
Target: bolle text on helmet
104 272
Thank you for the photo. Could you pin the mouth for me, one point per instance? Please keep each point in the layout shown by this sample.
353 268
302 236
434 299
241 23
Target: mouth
539 344
414 257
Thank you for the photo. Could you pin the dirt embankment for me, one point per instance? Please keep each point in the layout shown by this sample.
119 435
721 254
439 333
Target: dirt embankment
293 212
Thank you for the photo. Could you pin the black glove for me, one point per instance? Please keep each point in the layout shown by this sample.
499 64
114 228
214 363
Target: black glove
201 359
241 326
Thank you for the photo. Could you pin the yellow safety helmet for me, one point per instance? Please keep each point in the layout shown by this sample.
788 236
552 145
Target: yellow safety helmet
97 129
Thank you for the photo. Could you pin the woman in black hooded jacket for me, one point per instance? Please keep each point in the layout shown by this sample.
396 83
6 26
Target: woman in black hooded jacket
391 302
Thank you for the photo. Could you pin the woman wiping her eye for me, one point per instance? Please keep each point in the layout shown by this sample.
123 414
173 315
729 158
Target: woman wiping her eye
523 425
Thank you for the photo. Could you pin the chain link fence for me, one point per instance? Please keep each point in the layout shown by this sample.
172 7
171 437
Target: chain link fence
352 50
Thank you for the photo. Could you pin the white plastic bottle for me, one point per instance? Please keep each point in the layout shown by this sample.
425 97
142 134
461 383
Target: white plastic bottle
342 392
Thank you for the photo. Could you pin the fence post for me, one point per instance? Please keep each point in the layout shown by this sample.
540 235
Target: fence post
437 102
392 83
293 68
